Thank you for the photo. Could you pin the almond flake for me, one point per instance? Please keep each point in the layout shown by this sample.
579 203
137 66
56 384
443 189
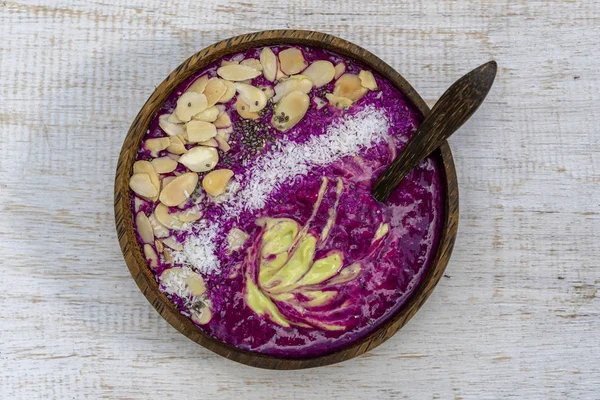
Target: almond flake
215 182
290 110
200 158
292 61
156 145
268 60
215 89
237 72
144 229
208 115
172 243
229 93
200 131
320 73
339 70
349 86
160 231
367 80
210 142
190 104
338 102
199 85
252 96
297 82
177 145
164 165
252 63
179 190
151 256
169 220
223 121
243 110
170 128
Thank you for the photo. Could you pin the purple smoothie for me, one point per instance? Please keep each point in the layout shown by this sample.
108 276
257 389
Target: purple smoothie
390 268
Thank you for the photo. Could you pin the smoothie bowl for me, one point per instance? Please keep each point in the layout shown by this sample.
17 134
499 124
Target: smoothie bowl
243 207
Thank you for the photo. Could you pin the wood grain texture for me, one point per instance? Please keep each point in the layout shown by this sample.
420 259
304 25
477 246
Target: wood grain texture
517 315
136 261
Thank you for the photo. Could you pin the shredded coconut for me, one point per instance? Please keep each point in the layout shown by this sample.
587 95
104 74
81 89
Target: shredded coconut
199 250
289 159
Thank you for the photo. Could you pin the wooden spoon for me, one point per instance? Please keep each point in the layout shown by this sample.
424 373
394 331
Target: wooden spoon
452 110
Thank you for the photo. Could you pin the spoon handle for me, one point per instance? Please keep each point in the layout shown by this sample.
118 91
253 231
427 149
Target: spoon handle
452 110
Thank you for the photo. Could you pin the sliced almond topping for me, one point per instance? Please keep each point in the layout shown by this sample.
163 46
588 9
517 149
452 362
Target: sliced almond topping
160 231
268 91
146 167
268 60
138 204
292 61
164 165
221 107
225 132
200 131
144 229
319 102
338 102
320 72
243 109
210 142
176 145
200 158
298 82
168 256
159 246
215 89
203 317
229 62
198 85
190 215
142 185
280 75
170 128
223 121
208 115
252 63
172 118
222 142
173 157
156 145
195 284
251 95
339 70
237 72
179 190
236 239
151 256
215 182
367 80
167 219
229 93
172 243
349 86
190 104
290 110
167 179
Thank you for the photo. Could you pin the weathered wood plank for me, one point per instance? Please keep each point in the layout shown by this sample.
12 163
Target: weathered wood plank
518 315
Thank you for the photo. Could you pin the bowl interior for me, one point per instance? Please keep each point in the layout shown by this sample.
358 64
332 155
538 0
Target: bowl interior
137 263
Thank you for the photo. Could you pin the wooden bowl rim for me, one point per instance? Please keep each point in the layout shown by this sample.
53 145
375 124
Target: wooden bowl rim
132 252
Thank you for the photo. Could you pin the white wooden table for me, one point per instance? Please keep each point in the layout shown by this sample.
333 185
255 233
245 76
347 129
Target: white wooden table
517 315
